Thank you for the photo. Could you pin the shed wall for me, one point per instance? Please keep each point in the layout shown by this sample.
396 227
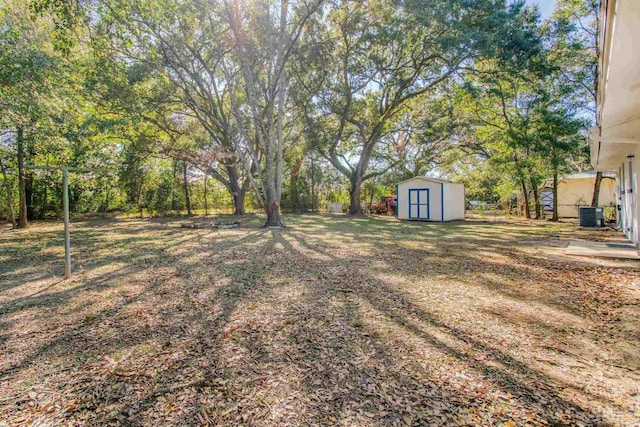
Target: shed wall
453 201
435 199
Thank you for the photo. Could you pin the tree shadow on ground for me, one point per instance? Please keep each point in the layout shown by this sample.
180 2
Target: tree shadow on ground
285 327
157 258
525 383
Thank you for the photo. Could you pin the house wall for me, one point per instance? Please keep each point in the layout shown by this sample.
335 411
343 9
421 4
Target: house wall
573 193
435 198
615 142
453 201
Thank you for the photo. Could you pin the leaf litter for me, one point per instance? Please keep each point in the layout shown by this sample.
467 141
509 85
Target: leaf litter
326 323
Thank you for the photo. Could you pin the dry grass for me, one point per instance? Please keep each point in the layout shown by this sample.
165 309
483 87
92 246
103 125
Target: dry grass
335 321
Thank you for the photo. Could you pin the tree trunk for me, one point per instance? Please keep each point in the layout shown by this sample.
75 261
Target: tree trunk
596 190
174 204
271 191
7 187
536 201
357 176
272 203
554 217
238 204
525 196
22 182
185 183
237 191
313 185
273 215
206 205
293 185
43 205
139 188
28 183
355 206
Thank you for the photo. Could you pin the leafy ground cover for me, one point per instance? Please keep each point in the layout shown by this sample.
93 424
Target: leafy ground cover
333 321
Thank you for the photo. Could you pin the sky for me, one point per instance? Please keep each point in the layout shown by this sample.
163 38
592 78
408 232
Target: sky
545 6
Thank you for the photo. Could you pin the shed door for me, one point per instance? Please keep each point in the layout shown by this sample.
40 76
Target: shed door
419 203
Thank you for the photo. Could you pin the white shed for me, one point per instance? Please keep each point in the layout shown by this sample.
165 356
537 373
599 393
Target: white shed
334 207
429 199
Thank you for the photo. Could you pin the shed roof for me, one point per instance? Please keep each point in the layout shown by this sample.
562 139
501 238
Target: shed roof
428 178
588 175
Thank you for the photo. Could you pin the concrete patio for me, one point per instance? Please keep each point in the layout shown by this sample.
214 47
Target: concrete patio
602 249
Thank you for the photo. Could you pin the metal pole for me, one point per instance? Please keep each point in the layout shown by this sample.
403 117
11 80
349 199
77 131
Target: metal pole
65 207
67 238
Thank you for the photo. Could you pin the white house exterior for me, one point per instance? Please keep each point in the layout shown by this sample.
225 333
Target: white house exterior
615 142
429 199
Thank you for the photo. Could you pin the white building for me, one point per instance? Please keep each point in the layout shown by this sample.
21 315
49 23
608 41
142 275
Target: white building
615 142
576 190
429 199
335 207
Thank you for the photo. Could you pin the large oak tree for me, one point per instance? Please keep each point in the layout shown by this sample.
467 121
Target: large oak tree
367 60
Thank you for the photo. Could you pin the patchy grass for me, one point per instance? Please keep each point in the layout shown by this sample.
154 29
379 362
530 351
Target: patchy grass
334 321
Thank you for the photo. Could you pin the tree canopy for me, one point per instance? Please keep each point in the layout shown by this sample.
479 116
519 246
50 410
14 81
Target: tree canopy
287 104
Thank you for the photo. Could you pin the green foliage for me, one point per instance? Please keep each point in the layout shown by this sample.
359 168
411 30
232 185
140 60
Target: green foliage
481 91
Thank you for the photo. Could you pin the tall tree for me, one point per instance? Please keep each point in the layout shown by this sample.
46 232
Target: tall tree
30 76
264 36
375 57
183 42
572 32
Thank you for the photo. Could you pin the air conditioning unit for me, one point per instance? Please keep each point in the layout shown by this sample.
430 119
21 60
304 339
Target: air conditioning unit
591 216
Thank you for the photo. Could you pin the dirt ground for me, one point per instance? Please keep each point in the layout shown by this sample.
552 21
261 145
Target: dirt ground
333 321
